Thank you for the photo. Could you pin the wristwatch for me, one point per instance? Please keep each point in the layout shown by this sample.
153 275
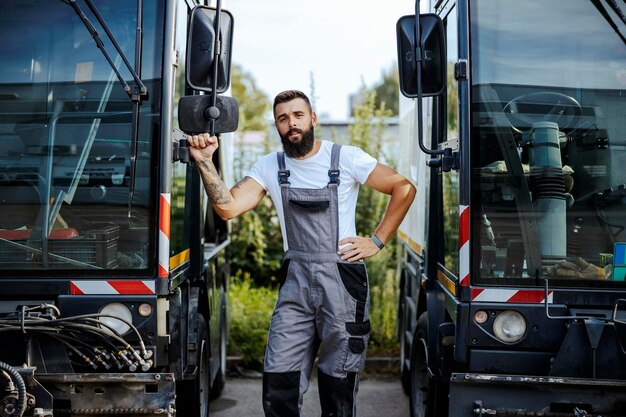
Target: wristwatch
377 242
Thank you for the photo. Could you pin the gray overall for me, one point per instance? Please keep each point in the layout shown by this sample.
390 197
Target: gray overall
322 307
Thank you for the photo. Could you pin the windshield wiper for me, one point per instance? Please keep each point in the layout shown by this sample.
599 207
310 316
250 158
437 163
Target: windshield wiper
136 92
616 9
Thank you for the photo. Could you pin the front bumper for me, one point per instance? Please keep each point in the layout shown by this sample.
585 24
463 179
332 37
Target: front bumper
482 395
119 394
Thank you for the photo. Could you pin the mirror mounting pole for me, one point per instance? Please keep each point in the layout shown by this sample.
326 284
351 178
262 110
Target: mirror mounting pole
417 60
213 112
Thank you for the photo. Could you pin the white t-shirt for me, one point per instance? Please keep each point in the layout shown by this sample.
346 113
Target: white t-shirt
354 166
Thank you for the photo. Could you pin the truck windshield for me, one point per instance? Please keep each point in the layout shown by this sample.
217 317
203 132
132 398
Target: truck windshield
65 134
548 128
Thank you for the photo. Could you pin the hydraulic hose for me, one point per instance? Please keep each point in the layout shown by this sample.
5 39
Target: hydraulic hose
21 387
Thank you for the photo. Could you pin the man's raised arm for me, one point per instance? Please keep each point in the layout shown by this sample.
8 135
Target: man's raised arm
244 196
402 192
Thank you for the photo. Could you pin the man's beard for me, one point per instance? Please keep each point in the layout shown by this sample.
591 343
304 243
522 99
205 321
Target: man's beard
300 148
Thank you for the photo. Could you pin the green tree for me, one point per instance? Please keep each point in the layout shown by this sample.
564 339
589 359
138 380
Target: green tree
453 100
256 247
387 90
253 102
366 132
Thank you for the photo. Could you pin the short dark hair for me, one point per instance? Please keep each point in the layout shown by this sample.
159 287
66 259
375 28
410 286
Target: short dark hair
289 95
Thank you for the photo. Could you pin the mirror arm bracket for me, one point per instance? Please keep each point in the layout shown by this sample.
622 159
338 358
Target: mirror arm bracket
447 160
460 70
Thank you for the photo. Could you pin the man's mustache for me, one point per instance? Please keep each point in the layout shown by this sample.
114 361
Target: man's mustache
293 130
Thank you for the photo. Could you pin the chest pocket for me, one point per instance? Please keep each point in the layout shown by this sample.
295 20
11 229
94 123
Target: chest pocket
311 205
309 220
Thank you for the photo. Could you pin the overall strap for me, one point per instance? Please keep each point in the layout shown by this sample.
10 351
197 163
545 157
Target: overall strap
283 174
333 172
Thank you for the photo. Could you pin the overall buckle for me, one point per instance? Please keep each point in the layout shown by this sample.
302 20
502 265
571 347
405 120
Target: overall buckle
333 174
283 177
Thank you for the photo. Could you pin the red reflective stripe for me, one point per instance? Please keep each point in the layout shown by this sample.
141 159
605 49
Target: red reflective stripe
74 290
500 295
464 226
527 296
476 292
130 287
164 236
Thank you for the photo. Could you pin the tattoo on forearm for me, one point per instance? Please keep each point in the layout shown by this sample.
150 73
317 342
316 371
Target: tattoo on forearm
218 193
213 184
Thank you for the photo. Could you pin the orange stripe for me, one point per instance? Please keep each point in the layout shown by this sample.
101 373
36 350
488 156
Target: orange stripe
163 273
412 244
179 259
164 221
446 282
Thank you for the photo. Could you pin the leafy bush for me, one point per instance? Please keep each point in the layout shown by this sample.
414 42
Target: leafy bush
250 313
383 316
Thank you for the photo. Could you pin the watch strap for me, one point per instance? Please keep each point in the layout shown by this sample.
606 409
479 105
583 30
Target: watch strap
377 242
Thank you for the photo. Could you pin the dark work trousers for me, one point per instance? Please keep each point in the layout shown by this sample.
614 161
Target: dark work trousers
322 307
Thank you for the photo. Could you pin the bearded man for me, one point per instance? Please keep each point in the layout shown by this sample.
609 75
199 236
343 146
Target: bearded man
323 301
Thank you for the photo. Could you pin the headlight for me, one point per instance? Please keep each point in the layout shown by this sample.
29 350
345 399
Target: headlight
509 326
116 310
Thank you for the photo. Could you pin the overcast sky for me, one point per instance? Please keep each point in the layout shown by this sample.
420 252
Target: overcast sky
342 43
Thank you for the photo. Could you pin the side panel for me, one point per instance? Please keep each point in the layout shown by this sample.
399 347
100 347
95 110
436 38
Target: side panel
412 165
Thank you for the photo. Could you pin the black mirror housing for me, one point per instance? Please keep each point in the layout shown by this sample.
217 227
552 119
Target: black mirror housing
433 55
195 114
201 49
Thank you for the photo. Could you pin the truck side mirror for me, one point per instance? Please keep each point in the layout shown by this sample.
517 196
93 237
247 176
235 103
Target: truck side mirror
195 114
433 55
201 51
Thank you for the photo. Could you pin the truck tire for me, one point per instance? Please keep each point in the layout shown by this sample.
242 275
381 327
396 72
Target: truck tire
220 378
192 397
422 397
405 375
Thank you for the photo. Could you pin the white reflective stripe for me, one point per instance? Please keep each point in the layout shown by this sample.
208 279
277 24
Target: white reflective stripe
464 262
495 295
513 296
464 245
95 287
164 251
113 287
